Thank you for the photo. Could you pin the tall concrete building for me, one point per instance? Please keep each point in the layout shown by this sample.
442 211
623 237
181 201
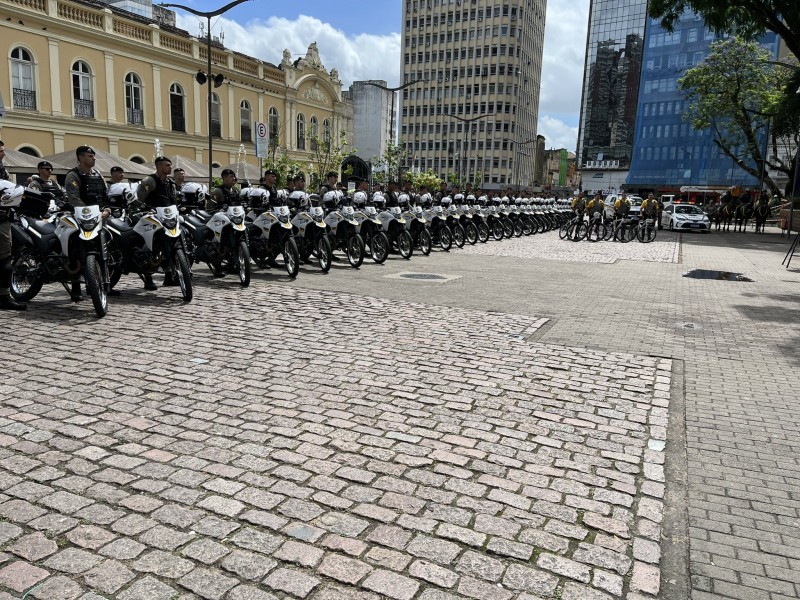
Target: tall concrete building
475 117
374 117
613 68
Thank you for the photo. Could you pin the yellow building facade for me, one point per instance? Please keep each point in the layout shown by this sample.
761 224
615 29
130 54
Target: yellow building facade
74 73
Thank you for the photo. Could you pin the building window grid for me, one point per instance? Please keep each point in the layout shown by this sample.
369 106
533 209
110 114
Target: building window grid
83 104
133 99
22 81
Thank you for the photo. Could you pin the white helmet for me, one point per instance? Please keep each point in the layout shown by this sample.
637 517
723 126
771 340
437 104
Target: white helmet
360 198
426 198
10 194
470 198
194 191
331 198
458 197
121 190
403 198
283 194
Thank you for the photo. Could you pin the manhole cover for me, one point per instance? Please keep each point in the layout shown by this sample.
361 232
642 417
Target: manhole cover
422 276
718 275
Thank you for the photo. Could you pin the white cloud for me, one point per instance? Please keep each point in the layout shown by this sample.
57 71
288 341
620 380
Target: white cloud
557 133
367 56
360 57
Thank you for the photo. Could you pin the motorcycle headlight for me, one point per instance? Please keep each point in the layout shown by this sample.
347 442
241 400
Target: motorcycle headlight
89 224
170 223
283 218
317 217
237 219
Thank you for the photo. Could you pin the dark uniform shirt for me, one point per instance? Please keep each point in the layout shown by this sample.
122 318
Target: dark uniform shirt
154 192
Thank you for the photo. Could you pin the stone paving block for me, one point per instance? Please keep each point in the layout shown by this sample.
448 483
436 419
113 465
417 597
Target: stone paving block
205 551
341 568
108 577
292 582
162 564
57 588
20 576
248 565
391 585
73 561
148 588
208 584
33 547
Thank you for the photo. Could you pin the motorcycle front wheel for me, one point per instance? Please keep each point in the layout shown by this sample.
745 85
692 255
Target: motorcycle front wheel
425 242
445 238
94 285
324 253
497 230
405 244
243 258
459 236
518 229
291 257
471 233
355 251
184 275
379 247
26 278
483 233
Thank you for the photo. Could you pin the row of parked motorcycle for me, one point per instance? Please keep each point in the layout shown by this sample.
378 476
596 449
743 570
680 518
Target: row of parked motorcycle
58 244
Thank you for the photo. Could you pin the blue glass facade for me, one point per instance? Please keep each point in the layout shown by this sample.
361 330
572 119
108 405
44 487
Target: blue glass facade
667 151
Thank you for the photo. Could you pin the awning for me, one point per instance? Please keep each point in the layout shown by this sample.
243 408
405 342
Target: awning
104 162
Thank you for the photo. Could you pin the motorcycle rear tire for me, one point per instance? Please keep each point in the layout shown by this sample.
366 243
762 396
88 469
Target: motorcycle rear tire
243 260
184 273
425 242
405 244
355 251
471 233
291 257
459 235
379 247
324 254
25 260
94 285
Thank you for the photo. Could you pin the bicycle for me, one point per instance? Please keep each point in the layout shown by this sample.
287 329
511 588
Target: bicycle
646 230
622 230
597 229
574 230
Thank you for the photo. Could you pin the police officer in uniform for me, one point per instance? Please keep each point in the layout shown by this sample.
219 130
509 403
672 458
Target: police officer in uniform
6 301
85 186
270 183
330 183
158 191
43 183
225 194
392 195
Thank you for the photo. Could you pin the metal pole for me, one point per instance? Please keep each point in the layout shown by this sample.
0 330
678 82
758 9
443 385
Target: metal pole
210 104
794 192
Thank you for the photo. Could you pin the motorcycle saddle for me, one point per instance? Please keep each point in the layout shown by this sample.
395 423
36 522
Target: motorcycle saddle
42 227
196 222
119 225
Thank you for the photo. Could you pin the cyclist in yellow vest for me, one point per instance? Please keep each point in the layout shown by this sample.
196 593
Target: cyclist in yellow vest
650 207
622 207
579 204
596 205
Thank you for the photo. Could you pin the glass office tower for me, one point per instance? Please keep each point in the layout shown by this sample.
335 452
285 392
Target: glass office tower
669 153
611 83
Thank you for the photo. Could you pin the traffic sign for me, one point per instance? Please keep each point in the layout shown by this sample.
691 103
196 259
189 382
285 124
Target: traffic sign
261 140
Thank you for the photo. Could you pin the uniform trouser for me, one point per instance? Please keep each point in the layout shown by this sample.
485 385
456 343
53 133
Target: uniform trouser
5 258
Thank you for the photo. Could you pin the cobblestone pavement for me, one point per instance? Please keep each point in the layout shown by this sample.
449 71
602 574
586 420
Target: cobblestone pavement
255 454
260 453
548 246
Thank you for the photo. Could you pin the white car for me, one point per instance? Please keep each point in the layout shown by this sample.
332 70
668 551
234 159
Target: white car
636 204
685 217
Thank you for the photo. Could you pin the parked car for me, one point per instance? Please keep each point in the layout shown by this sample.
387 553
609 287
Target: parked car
685 217
636 203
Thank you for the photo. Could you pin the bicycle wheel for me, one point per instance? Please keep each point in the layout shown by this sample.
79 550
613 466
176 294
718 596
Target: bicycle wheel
610 231
646 233
564 230
579 232
597 232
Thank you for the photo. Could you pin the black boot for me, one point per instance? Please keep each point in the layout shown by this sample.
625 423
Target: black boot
8 303
75 295
149 284
170 280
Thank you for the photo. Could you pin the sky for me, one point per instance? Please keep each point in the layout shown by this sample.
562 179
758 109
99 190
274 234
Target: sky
367 46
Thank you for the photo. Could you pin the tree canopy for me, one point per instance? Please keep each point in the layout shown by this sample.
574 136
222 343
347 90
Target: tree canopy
745 18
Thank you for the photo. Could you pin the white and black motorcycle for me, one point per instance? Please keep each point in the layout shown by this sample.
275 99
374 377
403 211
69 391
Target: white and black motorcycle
58 250
311 232
221 241
343 229
271 233
371 228
154 242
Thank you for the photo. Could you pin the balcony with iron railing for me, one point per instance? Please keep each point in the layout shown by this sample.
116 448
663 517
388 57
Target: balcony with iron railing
24 99
135 116
84 108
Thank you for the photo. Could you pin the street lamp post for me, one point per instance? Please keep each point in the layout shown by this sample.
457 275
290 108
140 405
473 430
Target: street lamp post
211 80
517 176
393 91
469 122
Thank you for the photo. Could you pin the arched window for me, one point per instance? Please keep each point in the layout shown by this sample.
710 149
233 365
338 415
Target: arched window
82 90
326 132
301 132
133 99
314 133
176 108
30 151
22 79
137 159
274 127
245 113
216 119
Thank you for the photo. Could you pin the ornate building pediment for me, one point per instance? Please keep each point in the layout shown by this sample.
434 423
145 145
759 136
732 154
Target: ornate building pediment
314 93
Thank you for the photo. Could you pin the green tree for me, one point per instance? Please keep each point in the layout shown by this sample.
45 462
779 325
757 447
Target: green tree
328 155
746 18
389 164
427 178
734 92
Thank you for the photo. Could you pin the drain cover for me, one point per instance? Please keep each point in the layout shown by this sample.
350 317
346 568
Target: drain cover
718 275
428 276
